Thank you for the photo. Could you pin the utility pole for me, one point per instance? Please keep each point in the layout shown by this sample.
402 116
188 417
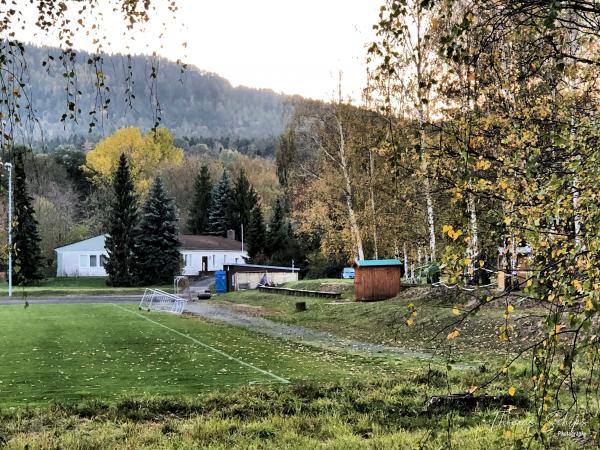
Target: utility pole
8 168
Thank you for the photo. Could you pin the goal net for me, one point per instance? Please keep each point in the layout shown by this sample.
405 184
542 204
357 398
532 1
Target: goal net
157 300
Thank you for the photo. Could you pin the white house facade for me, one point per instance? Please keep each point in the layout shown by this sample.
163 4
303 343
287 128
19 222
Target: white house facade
200 254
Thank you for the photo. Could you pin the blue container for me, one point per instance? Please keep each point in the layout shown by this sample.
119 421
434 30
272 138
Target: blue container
348 272
221 282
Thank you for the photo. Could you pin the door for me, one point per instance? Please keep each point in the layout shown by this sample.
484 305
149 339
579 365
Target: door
204 264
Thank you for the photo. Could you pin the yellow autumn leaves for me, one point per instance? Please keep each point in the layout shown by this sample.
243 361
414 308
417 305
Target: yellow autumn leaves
451 232
147 153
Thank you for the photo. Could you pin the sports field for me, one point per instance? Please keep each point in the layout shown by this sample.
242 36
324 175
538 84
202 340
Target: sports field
66 353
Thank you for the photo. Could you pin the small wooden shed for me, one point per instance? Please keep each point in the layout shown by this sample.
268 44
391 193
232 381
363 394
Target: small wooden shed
377 279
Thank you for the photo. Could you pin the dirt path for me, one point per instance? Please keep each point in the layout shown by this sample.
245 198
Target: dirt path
233 316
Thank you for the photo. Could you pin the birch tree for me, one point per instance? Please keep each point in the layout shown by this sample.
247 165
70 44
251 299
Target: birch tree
405 76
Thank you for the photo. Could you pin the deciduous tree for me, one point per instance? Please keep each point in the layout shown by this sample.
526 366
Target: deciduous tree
148 154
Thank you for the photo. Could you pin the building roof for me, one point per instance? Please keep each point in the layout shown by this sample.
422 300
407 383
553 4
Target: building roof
377 263
259 268
95 244
205 242
188 242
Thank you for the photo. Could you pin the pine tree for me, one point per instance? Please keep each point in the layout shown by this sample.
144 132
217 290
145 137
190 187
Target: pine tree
245 199
26 239
156 253
277 234
256 236
201 204
220 218
121 228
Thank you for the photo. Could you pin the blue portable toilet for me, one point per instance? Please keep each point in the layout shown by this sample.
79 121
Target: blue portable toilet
221 282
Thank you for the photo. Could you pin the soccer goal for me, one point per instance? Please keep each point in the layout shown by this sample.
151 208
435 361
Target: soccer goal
157 300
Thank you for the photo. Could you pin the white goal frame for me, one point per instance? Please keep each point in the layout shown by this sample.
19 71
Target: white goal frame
157 300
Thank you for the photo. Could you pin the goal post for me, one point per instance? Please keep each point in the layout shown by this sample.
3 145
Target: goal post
157 300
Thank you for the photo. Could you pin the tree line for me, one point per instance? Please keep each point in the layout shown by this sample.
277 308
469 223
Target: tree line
235 205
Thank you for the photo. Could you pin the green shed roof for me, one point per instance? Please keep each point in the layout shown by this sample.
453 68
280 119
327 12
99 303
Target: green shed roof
377 262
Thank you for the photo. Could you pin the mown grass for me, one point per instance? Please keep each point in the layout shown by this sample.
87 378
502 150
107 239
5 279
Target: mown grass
106 352
72 286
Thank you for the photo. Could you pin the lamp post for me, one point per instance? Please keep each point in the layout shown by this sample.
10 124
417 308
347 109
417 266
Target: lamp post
8 168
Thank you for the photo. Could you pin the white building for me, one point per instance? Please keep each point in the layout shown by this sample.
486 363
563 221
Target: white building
200 254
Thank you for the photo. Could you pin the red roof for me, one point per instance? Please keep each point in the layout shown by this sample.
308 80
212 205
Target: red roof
207 242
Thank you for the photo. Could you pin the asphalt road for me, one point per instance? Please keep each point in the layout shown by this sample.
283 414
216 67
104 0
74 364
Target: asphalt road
72 299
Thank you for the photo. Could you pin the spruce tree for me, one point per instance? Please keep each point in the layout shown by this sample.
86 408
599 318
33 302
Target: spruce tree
220 218
157 258
199 213
27 260
277 234
244 201
256 236
123 219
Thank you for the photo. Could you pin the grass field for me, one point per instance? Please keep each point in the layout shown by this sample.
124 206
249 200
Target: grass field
72 286
109 352
110 376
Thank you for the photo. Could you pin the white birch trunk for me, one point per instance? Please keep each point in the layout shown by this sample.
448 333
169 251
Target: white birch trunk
474 247
354 229
372 170
430 217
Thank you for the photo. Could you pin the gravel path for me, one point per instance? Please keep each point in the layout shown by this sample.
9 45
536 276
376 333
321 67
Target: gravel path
223 313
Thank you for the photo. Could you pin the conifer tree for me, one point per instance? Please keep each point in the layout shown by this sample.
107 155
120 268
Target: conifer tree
199 213
220 218
156 252
121 227
26 239
256 236
277 234
244 201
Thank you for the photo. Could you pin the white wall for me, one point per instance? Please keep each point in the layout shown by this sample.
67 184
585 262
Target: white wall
79 264
215 259
251 279
73 263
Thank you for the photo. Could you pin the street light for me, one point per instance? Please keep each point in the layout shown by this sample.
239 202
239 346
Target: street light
8 168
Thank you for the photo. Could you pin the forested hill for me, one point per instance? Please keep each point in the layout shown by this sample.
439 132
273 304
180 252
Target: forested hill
193 103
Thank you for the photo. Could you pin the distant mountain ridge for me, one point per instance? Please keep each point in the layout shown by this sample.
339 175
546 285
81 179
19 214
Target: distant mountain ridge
193 103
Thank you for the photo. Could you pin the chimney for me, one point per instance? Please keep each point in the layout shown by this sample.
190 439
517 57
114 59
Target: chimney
231 234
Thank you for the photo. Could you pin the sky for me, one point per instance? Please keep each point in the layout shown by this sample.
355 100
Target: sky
290 46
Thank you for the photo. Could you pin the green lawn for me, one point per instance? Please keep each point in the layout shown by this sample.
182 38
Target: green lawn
73 286
104 351
384 322
110 377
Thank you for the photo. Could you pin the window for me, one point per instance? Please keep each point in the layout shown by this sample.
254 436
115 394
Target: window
102 260
187 258
93 261
84 261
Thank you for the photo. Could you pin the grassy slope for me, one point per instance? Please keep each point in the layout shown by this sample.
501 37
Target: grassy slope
73 286
100 351
384 322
